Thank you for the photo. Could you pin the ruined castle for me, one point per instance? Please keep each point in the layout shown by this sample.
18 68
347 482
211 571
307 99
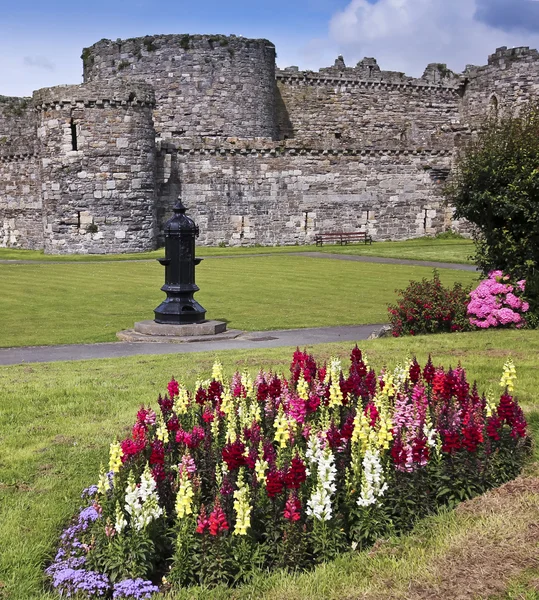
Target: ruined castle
259 155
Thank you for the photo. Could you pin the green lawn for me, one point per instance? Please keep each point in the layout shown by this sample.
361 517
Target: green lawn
445 250
57 420
66 303
452 251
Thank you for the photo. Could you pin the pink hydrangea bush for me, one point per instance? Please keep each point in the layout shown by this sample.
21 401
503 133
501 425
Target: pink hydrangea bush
497 302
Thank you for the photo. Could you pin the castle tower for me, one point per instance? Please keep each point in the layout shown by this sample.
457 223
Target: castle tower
206 86
502 87
97 150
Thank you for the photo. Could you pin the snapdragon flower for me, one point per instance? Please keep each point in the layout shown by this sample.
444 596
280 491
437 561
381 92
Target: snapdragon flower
373 485
242 506
142 502
509 376
184 497
282 433
319 504
115 460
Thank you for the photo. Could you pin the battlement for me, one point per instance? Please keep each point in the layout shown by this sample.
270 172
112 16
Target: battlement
504 54
290 148
367 73
109 93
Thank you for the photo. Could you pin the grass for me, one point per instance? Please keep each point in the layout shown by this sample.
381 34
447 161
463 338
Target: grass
57 420
437 249
67 303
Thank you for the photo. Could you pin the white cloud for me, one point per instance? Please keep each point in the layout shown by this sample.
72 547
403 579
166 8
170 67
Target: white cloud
406 35
40 62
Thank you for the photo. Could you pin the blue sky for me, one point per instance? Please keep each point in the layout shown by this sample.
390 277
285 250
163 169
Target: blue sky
41 41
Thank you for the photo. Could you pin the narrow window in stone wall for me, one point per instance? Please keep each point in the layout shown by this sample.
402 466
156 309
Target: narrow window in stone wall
73 126
425 220
78 219
493 108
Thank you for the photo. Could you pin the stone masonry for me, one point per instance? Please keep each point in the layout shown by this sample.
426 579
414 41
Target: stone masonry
260 155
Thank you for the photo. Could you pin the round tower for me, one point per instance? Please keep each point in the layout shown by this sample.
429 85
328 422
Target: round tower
205 85
97 149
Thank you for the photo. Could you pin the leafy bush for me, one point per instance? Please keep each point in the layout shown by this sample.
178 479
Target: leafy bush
427 306
242 476
496 302
495 186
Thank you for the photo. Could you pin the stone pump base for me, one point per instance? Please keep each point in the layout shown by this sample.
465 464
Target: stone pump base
150 331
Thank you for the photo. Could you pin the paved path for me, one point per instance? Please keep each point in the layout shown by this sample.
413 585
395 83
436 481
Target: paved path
386 260
352 257
248 340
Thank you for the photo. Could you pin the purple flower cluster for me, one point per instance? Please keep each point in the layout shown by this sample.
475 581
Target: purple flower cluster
89 492
72 581
135 589
68 576
496 302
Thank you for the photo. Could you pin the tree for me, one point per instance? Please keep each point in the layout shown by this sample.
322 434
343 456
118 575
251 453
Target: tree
495 186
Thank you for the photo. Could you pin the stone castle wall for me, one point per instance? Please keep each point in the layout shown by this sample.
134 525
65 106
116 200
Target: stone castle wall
21 222
20 197
284 195
260 155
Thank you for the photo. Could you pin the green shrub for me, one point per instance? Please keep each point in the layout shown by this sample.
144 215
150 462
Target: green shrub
427 306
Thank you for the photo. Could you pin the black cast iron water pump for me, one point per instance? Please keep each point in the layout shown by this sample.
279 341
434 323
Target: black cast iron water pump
180 307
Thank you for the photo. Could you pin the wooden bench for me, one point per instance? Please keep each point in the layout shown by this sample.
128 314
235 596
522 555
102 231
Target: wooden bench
342 237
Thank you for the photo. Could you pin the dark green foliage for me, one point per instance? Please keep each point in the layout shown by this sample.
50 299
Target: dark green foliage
185 42
496 187
87 57
149 44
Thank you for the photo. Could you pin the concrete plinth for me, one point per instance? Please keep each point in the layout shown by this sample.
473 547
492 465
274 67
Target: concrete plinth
150 331
205 328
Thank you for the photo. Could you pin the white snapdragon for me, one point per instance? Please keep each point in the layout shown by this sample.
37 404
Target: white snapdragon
373 485
312 452
430 433
142 502
121 522
319 504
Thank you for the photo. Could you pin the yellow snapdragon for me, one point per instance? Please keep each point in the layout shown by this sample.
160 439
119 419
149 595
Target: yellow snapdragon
509 376
103 485
184 498
115 460
385 430
161 431
217 371
261 466
282 434
491 404
242 506
182 401
303 388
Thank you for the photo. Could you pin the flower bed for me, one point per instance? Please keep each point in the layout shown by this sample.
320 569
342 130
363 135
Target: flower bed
243 476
